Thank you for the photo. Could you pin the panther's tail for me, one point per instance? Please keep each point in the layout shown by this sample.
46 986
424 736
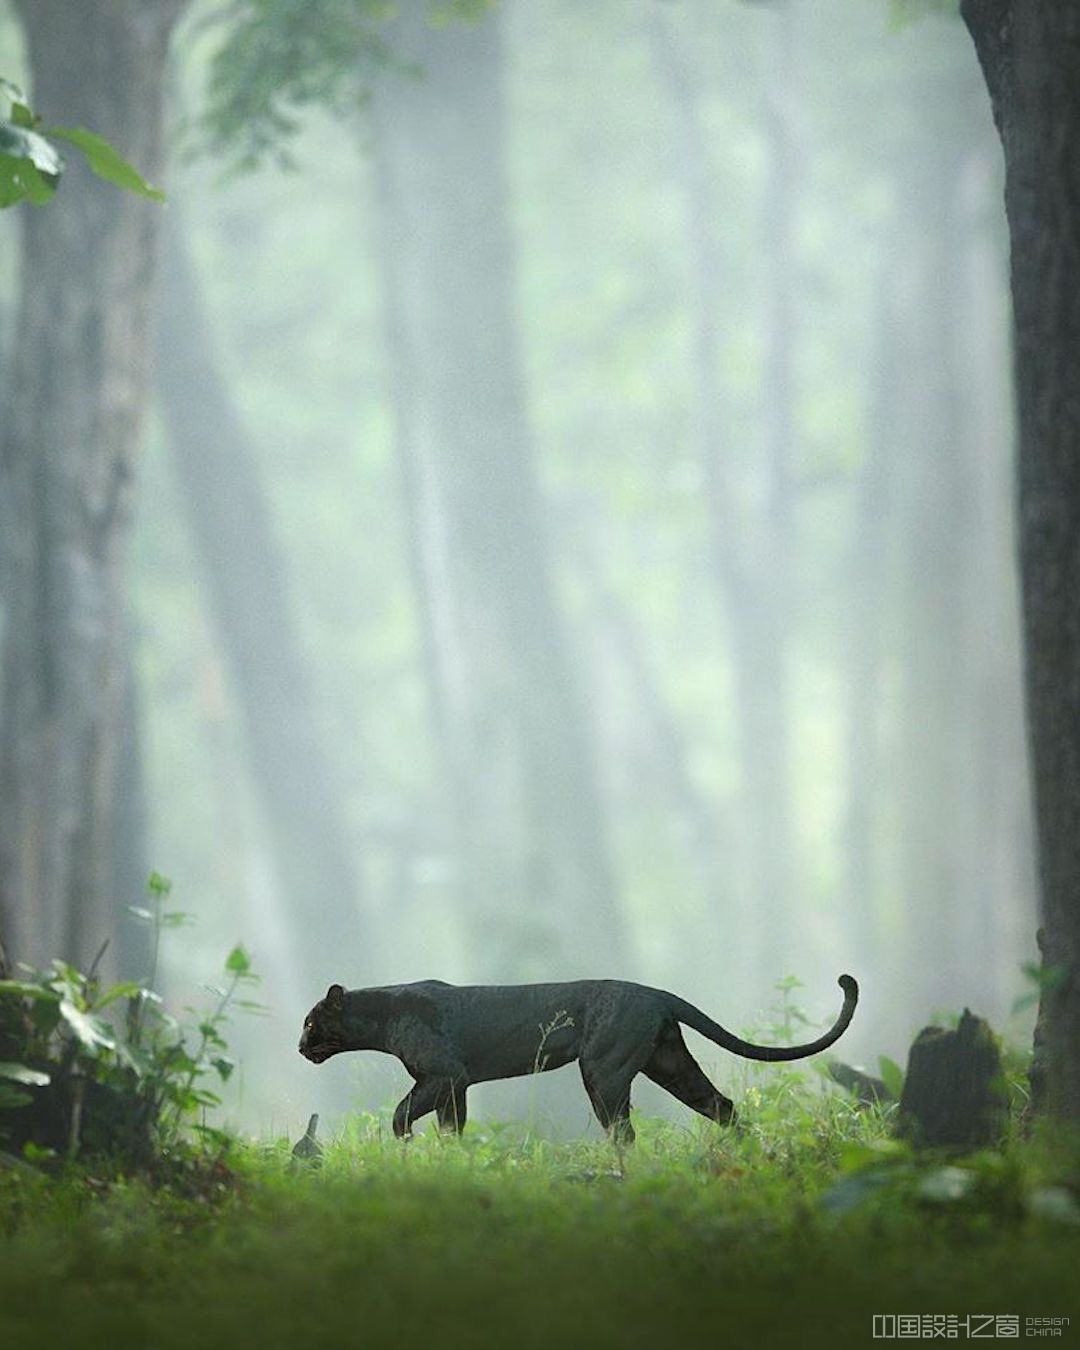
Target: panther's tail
695 1018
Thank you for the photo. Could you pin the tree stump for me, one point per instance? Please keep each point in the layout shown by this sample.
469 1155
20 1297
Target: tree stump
954 1091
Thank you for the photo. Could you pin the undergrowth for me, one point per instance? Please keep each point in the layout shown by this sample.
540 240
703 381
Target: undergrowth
795 1230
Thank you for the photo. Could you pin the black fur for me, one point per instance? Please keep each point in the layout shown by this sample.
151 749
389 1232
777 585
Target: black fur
449 1037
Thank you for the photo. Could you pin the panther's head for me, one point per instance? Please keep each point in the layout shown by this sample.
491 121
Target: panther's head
324 1027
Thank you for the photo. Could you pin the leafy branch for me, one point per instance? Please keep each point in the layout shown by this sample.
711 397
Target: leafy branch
68 1069
31 165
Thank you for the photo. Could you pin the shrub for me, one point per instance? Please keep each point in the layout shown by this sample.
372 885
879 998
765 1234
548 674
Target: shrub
108 1072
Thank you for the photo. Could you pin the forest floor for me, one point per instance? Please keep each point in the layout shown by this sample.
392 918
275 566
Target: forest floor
799 1230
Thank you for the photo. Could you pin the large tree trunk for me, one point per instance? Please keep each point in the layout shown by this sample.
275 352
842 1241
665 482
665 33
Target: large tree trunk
1030 54
69 453
248 590
534 854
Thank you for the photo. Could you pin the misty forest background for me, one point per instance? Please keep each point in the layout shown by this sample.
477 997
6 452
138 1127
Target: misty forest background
574 532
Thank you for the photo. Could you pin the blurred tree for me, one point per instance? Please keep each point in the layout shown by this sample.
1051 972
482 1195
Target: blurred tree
874 504
69 449
1030 56
531 836
934 503
532 857
751 533
248 588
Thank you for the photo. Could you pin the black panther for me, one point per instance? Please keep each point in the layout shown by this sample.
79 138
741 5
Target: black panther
449 1037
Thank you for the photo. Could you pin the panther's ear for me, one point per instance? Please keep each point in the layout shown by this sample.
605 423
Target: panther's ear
335 995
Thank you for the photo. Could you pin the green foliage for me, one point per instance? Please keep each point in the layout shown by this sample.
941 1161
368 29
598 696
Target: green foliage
495 1240
105 162
124 1086
892 1075
279 58
31 165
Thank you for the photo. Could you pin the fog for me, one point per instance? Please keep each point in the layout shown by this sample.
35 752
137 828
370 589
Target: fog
574 535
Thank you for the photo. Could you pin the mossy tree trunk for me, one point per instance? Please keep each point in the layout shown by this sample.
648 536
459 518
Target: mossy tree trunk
1030 55
68 457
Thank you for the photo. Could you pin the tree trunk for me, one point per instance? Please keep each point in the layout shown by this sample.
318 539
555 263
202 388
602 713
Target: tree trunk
68 459
427 545
865 643
248 589
933 512
1030 56
750 559
759 597
534 855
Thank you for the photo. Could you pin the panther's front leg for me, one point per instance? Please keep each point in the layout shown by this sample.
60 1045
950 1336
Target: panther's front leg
444 1096
450 1107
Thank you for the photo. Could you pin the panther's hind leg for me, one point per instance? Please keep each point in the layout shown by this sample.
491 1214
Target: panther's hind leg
608 1087
674 1068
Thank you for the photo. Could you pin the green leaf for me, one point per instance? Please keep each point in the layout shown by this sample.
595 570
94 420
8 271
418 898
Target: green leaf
91 1033
21 143
24 989
892 1075
128 990
22 1073
36 1152
224 1066
107 162
20 181
72 977
874 1154
45 1015
158 885
211 1035
238 962
12 1098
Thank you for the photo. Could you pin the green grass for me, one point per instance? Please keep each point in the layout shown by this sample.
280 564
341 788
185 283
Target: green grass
795 1232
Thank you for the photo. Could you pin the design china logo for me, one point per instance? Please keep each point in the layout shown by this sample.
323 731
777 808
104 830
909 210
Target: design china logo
969 1326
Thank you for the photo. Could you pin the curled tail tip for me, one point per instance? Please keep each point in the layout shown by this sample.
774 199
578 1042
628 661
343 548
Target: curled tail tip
850 986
